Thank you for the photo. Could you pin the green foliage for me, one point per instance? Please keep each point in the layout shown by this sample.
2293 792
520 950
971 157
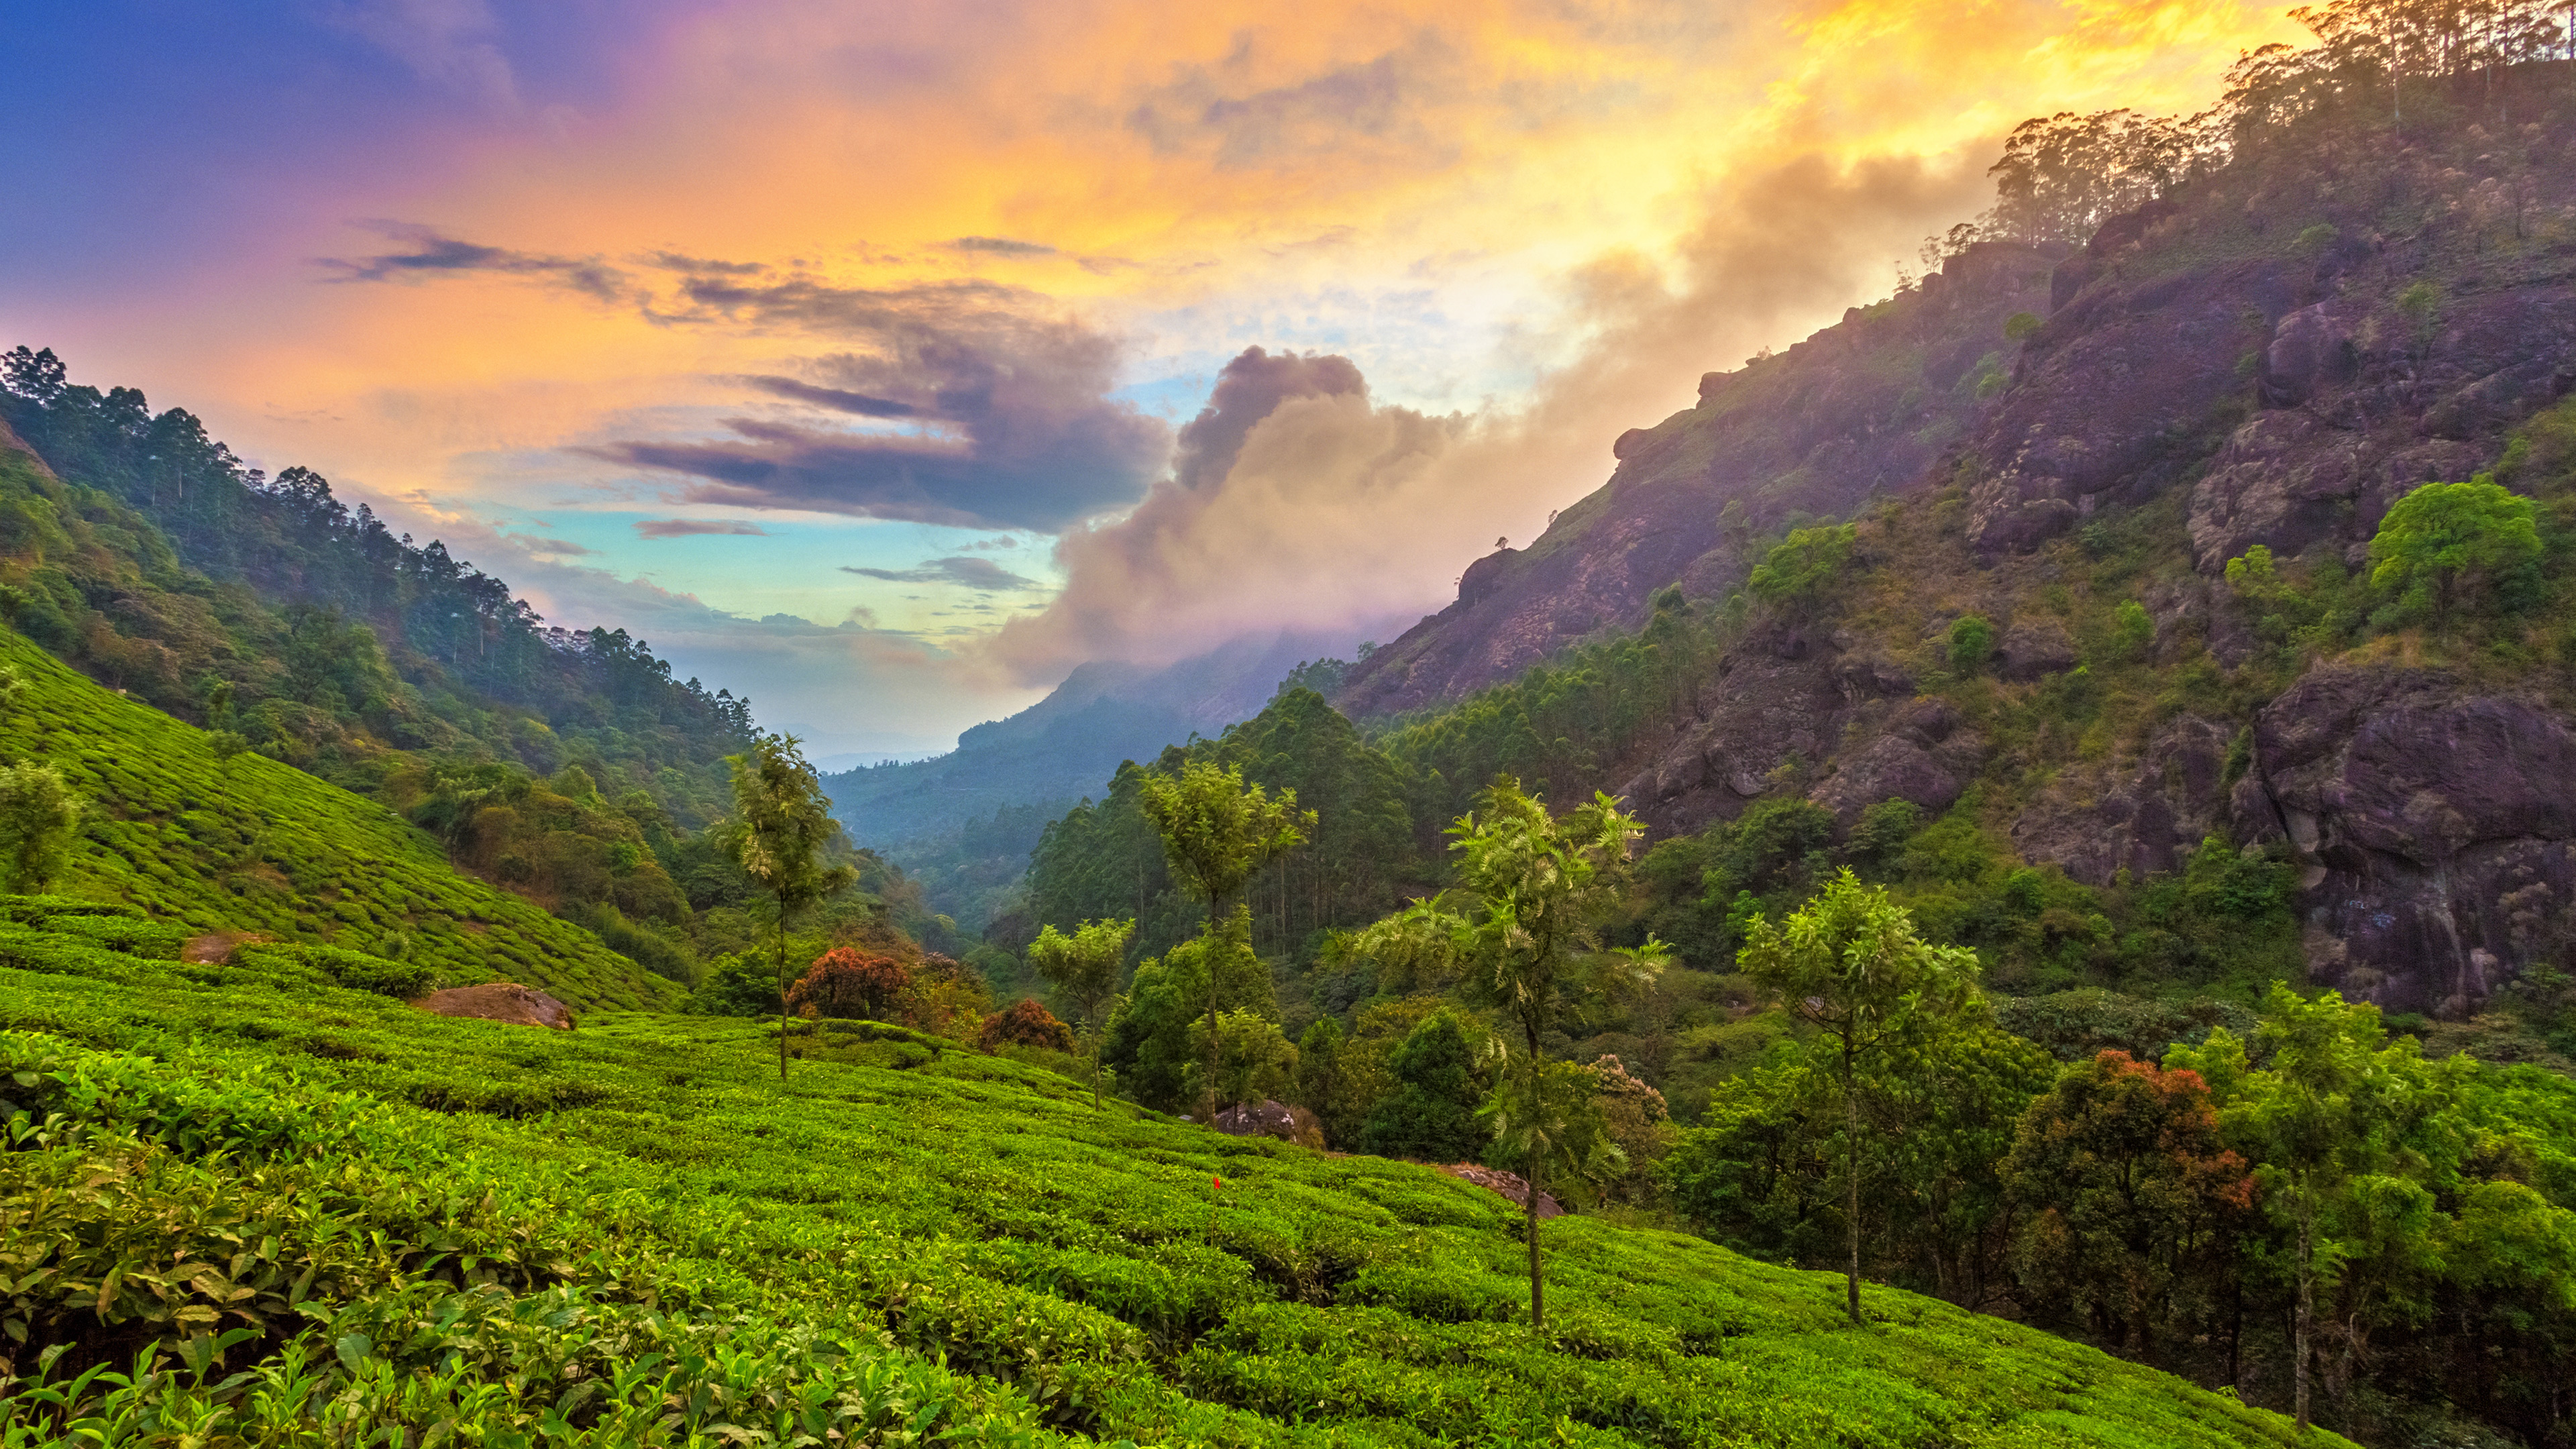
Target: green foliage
1430 1116
37 815
1806 565
2447 549
778 832
2020 325
161 565
254 846
1970 644
1525 928
1084 966
950 1248
1850 963
355 970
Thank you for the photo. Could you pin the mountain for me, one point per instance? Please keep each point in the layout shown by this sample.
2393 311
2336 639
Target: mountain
1860 410
1068 744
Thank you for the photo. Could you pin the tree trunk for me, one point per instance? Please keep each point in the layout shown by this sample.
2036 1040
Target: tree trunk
782 988
1851 1185
1538 1283
2307 1307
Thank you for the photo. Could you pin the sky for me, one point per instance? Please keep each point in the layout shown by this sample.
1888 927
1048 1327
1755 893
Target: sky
884 362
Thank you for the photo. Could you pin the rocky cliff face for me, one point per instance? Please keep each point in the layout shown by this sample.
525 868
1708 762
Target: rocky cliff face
2272 358
1862 408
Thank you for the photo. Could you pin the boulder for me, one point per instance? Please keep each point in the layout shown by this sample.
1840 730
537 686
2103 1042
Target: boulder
2035 648
1264 1118
505 1001
1510 1184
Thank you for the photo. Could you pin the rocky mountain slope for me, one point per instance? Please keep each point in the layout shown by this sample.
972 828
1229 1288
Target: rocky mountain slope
1861 409
2265 360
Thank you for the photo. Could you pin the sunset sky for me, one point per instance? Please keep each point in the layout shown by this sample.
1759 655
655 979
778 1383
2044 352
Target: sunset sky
839 350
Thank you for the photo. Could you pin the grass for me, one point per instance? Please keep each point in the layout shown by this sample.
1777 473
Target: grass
635 1233
254 846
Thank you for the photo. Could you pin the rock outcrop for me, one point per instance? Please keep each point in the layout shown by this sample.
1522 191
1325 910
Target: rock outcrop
2435 828
503 1001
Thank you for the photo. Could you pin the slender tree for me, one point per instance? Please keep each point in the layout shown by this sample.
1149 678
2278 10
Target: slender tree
781 824
38 814
1849 962
1524 923
1084 966
1217 833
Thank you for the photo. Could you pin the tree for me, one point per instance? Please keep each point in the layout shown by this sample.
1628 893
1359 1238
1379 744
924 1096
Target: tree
780 827
1217 831
1026 1023
1084 966
1850 963
848 983
2446 545
2132 1195
1431 1114
38 814
1524 924
2341 1129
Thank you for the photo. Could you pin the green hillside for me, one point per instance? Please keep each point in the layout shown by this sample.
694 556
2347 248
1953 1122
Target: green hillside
250 845
634 1233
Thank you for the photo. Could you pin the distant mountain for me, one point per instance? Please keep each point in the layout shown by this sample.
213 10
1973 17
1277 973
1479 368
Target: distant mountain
1067 745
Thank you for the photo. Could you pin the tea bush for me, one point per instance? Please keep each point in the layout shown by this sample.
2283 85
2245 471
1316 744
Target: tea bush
251 1206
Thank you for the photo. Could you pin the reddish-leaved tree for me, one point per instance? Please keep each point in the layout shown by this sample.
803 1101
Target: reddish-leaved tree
849 983
2132 1202
1028 1024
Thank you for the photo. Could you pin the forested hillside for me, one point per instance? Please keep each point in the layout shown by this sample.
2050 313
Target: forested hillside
144 552
564 767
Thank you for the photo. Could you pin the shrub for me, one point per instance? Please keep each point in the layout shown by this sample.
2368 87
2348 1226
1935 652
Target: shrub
1808 563
851 983
1025 1023
1972 643
2020 325
1431 1114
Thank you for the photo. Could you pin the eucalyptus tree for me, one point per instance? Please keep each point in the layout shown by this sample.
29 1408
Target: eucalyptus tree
1084 966
1217 832
1849 963
781 826
1523 928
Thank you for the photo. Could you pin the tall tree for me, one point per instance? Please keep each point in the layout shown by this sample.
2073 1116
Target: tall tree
1084 966
38 814
2345 1130
1850 963
781 825
1217 832
1524 922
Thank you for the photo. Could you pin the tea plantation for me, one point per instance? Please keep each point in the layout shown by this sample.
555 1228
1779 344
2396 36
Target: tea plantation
247 844
245 1205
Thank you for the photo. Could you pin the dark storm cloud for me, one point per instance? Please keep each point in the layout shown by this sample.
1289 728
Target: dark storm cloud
428 252
838 400
974 573
1015 427
1013 423
693 527
1251 388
